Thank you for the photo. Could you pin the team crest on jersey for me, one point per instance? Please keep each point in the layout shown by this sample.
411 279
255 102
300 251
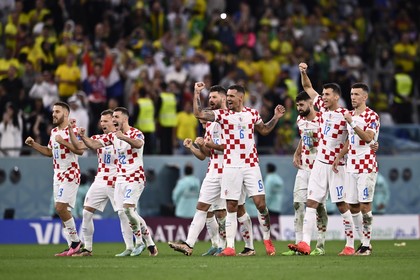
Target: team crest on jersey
373 125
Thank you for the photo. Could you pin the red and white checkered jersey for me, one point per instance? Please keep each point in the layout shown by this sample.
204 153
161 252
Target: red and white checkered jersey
309 133
107 163
215 167
65 162
333 132
238 136
361 158
130 160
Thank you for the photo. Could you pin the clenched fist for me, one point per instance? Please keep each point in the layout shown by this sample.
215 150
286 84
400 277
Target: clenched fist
29 141
303 66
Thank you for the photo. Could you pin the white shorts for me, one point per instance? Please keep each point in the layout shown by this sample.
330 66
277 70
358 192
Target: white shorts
300 190
65 192
127 193
220 204
360 187
98 195
210 191
236 179
322 179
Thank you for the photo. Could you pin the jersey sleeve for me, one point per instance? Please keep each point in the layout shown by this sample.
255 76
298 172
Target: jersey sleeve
107 139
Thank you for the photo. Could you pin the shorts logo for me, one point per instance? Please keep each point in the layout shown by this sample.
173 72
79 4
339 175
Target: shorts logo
260 186
226 192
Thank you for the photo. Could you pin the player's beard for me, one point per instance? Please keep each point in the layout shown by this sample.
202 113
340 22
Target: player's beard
305 113
58 121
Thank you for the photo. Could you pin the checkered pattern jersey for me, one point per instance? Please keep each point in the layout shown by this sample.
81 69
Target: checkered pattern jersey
65 163
215 167
238 136
361 158
333 133
309 133
130 160
107 163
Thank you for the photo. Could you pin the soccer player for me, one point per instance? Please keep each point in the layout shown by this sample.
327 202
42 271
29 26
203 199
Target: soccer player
303 159
240 159
210 191
66 173
128 143
102 190
333 135
361 167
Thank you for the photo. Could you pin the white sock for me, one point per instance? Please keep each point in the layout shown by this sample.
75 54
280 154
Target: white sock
298 222
196 227
134 219
71 229
231 228
321 223
88 228
126 231
367 228
222 232
213 231
309 222
66 235
146 233
264 219
245 227
358 224
348 228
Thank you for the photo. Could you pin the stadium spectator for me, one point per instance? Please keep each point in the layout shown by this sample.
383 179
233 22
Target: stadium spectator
185 194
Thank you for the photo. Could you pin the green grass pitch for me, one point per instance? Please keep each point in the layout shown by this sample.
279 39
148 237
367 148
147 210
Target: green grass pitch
38 262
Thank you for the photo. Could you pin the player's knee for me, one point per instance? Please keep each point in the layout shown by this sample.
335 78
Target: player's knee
298 206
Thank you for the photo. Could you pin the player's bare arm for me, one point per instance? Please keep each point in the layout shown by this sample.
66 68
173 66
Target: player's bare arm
306 82
366 136
134 143
297 160
198 110
68 145
44 150
199 142
90 143
188 143
209 143
266 128
340 155
73 139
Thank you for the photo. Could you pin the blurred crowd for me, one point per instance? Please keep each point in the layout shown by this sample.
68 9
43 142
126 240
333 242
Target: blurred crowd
147 55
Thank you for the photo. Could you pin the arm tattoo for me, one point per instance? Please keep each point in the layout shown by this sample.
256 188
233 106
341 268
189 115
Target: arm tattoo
198 102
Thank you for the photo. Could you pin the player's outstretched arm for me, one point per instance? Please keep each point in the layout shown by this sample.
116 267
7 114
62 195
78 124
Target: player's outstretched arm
266 128
90 143
198 110
44 150
188 143
306 82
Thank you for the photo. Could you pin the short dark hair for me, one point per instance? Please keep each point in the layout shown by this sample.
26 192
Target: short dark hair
363 86
63 105
334 86
271 168
302 96
188 169
218 88
238 88
123 110
107 112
